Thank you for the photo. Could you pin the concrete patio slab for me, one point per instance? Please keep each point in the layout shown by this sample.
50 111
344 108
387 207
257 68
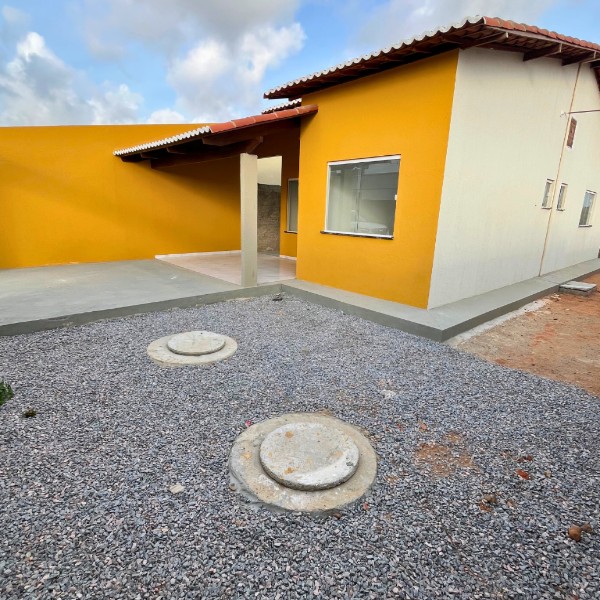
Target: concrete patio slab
48 297
42 298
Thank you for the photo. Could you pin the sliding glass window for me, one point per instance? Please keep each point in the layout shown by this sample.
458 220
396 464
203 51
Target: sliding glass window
361 196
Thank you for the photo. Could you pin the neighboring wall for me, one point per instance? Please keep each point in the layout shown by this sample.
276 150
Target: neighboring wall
269 170
65 198
506 139
269 200
286 146
405 111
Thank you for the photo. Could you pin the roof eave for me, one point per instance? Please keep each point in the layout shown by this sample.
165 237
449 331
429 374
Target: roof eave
231 133
486 32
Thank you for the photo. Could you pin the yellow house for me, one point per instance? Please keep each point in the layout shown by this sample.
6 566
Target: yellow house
450 165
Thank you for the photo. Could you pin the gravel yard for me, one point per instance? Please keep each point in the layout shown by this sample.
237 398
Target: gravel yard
482 469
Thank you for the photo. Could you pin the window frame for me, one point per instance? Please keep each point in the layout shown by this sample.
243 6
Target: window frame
382 158
560 205
288 229
591 208
548 194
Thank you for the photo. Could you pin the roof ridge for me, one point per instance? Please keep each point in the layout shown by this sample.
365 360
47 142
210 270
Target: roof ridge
464 26
405 42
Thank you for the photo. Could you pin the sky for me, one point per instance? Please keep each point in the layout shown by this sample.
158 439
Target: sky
71 62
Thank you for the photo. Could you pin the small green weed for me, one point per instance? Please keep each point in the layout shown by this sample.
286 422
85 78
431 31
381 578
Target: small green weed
6 392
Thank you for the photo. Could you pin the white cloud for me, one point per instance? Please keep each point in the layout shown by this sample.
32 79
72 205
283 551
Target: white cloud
37 88
265 48
216 53
176 24
202 65
165 116
14 16
398 19
116 106
213 55
218 80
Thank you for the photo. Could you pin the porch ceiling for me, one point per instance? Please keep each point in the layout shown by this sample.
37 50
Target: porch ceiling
219 140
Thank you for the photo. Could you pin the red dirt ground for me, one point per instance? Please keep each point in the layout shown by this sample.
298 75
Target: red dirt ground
561 340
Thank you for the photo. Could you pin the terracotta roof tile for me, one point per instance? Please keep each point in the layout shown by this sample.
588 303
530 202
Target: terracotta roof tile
291 104
218 128
467 32
512 25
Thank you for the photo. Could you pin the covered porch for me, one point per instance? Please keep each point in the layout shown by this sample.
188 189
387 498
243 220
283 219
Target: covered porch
275 133
227 266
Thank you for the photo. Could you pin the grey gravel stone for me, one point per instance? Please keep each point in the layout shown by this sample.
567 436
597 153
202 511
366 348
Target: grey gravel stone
85 507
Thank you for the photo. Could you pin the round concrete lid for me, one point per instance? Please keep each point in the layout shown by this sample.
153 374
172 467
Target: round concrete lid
309 456
249 478
196 343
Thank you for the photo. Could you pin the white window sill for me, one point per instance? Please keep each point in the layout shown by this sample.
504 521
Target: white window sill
362 235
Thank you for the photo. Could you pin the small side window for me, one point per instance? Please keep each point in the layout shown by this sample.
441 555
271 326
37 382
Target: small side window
292 206
562 197
585 220
571 136
548 193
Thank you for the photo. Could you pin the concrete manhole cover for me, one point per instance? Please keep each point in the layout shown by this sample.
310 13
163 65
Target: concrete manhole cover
303 462
196 343
191 348
308 456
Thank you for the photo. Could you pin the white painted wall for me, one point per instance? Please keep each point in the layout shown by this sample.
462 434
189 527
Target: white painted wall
269 170
506 137
569 244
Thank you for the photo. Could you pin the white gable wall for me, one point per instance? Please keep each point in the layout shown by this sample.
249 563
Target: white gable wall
506 137
568 243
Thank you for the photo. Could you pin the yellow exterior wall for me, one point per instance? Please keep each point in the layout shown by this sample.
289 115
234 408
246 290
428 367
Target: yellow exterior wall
403 111
65 198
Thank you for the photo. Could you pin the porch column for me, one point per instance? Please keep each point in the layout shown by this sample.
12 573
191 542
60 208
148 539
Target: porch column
249 218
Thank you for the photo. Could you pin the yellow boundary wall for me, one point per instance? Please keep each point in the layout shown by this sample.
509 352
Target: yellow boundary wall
65 198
